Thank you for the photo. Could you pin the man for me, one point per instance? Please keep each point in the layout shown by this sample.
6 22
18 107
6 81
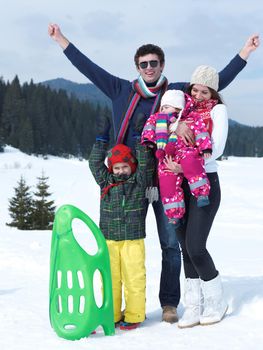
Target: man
143 96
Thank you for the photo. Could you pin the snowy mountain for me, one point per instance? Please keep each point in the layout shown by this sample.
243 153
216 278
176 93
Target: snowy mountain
82 91
88 92
235 243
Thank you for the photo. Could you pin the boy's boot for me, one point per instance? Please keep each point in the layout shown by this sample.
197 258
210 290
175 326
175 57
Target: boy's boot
191 316
128 326
215 305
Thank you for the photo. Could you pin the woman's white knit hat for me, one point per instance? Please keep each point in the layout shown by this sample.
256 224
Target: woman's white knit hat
205 75
174 98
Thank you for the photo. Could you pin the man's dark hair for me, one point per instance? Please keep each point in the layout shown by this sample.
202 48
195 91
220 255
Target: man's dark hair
148 49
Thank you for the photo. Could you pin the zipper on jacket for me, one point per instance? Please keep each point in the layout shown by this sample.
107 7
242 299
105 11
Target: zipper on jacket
123 201
123 197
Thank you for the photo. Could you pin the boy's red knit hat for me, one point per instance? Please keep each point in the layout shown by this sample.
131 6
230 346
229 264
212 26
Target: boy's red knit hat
121 154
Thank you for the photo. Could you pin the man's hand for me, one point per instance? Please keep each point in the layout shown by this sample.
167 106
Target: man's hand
103 125
138 123
55 33
251 45
172 166
185 133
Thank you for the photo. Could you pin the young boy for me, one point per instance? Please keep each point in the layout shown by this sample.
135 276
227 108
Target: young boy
123 209
159 129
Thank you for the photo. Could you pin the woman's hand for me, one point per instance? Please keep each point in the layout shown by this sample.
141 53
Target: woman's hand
207 155
185 133
172 166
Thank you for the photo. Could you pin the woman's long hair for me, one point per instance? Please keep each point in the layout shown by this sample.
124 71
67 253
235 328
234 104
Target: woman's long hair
214 94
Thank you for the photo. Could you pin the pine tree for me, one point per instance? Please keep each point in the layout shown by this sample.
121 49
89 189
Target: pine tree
21 206
13 112
26 142
44 210
1 142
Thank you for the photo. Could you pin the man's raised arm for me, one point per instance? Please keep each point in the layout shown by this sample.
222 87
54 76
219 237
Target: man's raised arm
55 33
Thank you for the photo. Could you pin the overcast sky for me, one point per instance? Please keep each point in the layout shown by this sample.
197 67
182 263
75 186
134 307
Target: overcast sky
191 32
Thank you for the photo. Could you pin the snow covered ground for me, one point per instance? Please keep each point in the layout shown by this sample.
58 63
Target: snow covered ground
236 243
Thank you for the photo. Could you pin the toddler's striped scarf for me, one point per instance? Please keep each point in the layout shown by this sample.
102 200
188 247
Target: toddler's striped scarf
162 133
141 90
161 130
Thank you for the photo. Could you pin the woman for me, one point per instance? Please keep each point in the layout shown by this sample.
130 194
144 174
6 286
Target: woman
204 300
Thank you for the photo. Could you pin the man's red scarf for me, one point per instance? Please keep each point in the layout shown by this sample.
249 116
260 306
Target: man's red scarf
139 89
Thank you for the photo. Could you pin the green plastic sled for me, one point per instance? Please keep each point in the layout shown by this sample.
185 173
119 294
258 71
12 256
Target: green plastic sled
72 307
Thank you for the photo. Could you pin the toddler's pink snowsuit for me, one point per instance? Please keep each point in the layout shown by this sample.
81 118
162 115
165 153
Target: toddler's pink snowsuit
189 157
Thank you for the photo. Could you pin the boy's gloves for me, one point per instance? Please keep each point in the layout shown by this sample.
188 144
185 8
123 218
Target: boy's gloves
103 125
152 194
138 124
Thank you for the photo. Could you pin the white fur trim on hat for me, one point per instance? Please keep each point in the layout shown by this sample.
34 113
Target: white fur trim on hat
205 75
174 98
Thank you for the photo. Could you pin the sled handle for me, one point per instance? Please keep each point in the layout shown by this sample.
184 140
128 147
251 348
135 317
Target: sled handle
64 217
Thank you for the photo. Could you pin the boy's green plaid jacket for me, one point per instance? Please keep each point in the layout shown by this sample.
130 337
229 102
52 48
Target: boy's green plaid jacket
123 209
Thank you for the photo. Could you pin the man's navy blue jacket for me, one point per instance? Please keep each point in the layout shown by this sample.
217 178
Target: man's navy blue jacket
119 90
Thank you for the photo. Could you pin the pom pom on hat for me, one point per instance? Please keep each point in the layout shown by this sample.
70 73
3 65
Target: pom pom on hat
174 98
121 154
160 154
205 75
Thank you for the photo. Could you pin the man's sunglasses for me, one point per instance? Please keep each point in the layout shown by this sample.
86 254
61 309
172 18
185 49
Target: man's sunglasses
153 64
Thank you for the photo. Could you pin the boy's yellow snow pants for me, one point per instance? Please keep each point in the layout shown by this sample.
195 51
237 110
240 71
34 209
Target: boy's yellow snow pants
127 260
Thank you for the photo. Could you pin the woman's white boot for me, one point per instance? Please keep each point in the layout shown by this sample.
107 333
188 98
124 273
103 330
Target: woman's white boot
214 303
191 316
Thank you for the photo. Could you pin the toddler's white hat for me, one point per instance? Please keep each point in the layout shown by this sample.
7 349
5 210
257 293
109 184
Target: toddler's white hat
174 98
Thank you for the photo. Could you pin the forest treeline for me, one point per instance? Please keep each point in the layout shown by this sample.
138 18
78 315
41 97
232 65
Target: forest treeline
38 120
